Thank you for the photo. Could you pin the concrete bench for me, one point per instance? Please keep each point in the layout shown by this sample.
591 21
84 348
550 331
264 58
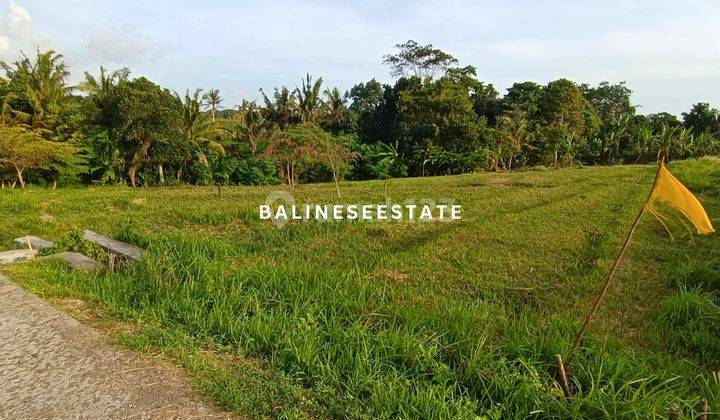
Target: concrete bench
117 248
76 261
34 242
17 255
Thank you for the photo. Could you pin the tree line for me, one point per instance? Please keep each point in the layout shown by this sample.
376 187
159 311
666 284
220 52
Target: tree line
436 119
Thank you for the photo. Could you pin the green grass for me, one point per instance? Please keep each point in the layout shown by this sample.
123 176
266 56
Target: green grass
406 320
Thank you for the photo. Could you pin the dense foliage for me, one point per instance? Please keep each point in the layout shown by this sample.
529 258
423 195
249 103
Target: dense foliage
437 118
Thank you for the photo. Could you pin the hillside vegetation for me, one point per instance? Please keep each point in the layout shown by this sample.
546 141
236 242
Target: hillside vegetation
437 117
408 320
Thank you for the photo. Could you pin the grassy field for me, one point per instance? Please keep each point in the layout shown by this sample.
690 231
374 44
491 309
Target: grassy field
388 320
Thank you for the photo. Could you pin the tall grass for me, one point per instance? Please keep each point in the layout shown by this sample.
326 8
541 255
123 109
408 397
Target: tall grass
423 321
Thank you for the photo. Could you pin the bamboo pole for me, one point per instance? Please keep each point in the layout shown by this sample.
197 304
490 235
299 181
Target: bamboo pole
564 383
613 269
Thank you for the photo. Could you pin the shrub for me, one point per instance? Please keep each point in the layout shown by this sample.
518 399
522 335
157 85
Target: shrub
255 172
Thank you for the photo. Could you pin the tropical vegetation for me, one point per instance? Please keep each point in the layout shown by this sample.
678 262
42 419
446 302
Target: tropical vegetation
437 118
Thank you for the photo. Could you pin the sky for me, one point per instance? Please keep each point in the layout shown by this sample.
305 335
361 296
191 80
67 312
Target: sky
668 52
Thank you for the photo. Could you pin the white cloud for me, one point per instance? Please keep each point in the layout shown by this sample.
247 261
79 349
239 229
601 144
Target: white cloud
120 45
18 14
19 34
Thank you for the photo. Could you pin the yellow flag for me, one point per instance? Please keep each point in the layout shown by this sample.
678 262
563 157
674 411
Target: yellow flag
672 192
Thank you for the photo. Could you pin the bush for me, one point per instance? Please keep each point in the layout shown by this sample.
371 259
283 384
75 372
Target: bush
319 172
199 173
255 172
375 164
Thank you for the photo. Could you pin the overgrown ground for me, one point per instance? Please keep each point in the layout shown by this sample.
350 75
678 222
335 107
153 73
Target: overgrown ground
386 320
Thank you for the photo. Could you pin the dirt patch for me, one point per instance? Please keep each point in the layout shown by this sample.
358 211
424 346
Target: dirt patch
52 366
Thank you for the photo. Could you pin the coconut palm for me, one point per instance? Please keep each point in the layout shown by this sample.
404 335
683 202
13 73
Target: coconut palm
197 130
333 108
249 124
103 84
100 90
309 100
281 109
10 115
45 81
211 100
106 163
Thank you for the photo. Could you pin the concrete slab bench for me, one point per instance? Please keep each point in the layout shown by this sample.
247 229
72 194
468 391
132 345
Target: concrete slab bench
77 261
117 248
17 255
34 242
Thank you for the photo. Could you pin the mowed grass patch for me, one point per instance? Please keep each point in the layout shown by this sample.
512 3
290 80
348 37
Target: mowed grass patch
409 320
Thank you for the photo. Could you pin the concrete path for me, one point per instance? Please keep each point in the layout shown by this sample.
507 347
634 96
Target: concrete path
51 366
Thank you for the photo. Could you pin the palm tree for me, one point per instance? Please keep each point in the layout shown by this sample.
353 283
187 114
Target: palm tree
106 162
196 129
45 85
249 124
9 115
514 133
333 108
103 84
281 109
211 100
309 101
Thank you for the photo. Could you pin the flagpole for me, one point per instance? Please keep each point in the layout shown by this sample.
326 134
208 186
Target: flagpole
613 269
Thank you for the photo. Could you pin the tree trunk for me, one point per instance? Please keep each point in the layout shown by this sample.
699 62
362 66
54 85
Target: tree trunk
54 184
335 178
510 159
137 159
19 172
253 145
292 175
131 174
161 174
